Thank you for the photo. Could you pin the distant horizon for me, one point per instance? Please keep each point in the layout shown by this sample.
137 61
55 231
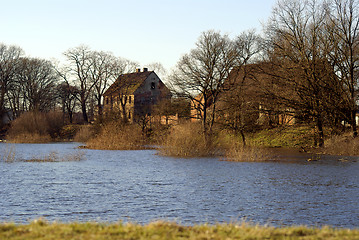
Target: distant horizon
143 32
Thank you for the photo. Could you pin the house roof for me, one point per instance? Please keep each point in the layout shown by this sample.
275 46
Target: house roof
128 83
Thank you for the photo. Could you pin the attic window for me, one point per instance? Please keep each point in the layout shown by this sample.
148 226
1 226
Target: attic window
153 85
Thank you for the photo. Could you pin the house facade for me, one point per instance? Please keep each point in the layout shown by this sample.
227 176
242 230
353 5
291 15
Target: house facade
133 95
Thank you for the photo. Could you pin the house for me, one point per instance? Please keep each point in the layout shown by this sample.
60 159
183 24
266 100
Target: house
133 95
241 99
197 105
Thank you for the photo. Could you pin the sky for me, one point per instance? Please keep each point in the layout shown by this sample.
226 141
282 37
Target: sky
142 31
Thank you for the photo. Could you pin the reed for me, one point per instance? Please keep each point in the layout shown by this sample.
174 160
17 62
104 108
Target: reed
188 140
29 138
35 127
84 133
239 153
8 154
343 144
117 136
54 157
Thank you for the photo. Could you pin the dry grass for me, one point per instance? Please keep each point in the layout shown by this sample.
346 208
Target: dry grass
40 229
116 136
240 153
187 140
8 154
54 157
343 144
29 138
235 151
35 127
84 134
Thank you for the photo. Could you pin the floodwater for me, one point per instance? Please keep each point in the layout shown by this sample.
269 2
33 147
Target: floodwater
140 186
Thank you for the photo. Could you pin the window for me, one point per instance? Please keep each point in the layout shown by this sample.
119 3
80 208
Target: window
129 115
107 101
129 99
153 85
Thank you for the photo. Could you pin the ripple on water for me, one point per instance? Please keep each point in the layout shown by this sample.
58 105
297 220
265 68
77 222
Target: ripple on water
141 186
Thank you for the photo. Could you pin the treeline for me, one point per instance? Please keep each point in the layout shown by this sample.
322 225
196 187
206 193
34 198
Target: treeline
32 84
305 64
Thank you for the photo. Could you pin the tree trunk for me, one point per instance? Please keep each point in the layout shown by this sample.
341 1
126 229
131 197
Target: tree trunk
320 132
84 112
123 109
204 121
354 123
99 107
243 137
70 116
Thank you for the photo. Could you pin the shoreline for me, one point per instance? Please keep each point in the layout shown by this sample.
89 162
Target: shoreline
41 229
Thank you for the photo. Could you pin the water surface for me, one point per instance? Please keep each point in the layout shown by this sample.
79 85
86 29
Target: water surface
140 186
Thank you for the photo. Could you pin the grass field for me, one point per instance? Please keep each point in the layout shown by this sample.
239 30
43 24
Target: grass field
40 229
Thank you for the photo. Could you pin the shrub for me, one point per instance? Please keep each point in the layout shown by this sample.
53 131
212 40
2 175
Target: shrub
55 123
35 127
69 131
188 140
84 133
117 136
343 144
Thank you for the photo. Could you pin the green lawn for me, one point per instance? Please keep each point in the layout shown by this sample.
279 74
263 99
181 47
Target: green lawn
289 136
163 230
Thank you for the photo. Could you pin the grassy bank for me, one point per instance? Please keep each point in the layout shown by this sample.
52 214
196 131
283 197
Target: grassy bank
286 136
162 230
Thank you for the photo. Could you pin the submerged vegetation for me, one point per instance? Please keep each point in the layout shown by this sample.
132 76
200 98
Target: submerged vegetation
40 229
186 139
8 155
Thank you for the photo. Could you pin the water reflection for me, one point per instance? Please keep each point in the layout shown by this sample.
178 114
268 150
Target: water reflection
141 186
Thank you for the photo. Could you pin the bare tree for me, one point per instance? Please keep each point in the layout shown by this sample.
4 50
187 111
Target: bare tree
79 65
201 75
68 98
38 78
297 51
9 60
102 75
343 50
157 67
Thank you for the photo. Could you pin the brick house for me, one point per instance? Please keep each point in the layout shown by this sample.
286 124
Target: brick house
133 95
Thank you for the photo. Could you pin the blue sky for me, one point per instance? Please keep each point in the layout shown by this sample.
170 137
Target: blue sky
143 31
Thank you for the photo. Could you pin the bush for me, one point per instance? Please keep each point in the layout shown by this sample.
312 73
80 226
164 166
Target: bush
84 133
117 136
35 127
343 144
188 140
69 132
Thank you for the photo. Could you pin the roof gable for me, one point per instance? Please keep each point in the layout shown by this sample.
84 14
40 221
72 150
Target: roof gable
128 83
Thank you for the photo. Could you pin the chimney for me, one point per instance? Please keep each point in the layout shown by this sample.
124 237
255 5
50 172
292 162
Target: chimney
138 70
145 69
